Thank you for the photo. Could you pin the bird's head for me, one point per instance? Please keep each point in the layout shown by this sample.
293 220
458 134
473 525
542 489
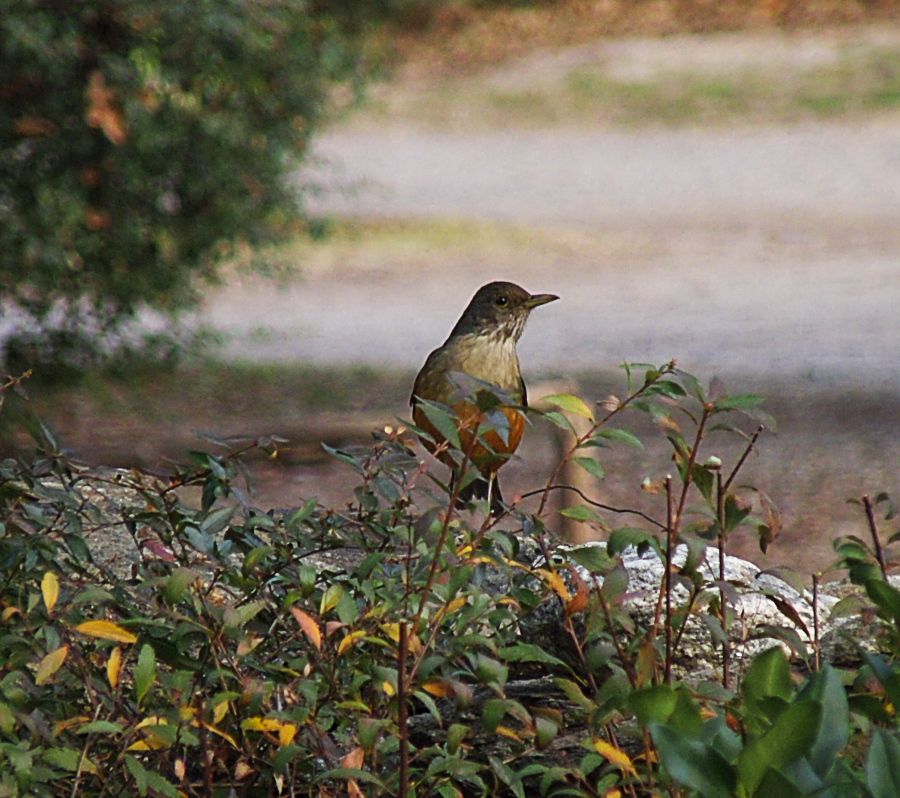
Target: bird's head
499 309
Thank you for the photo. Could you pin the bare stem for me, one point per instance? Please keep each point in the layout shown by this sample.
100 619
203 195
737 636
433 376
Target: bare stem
585 498
742 459
873 530
815 609
720 545
402 716
670 550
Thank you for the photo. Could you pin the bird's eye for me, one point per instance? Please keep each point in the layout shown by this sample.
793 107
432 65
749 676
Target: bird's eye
501 301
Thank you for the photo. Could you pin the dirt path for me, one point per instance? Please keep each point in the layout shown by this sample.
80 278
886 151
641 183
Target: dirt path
755 250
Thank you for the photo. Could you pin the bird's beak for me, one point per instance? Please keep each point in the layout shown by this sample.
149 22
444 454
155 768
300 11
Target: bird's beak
539 299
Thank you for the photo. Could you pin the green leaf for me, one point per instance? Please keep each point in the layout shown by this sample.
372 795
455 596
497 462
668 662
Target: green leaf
591 465
579 512
569 403
545 731
694 764
790 738
592 557
574 693
443 420
886 597
177 584
746 401
65 758
621 435
625 536
216 520
527 652
826 688
883 765
769 676
161 785
144 671
492 713
138 773
100 727
456 733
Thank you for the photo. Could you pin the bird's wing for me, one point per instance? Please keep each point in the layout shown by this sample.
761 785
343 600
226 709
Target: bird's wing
523 390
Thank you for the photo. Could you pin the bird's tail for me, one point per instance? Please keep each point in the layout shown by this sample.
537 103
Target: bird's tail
482 488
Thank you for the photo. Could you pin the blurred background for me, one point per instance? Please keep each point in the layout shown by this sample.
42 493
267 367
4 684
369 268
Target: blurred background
259 217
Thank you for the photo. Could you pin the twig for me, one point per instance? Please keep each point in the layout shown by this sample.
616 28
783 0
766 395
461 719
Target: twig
815 609
873 530
402 717
743 457
720 545
602 506
670 550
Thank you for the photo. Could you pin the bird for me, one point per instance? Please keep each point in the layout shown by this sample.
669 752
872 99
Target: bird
480 347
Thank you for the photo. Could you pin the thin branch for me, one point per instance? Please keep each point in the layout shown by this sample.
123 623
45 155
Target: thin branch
594 503
743 457
873 530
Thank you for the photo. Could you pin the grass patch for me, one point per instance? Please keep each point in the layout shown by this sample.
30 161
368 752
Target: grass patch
862 80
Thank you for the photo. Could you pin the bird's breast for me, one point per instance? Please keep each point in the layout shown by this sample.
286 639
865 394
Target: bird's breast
489 358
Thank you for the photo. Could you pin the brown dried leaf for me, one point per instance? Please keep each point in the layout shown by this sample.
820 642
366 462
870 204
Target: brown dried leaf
309 626
103 109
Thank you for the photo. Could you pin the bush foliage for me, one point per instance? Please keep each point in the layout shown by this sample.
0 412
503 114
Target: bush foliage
139 140
396 647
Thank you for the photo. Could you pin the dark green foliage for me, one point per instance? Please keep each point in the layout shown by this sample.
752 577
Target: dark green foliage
138 141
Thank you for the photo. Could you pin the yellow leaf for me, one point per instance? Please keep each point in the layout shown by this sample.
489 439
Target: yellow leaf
257 723
61 725
50 589
8 613
286 734
388 688
505 731
242 769
223 734
349 640
614 756
151 743
114 667
51 664
556 583
568 403
152 720
309 626
458 603
106 630
220 710
392 630
286 730
437 689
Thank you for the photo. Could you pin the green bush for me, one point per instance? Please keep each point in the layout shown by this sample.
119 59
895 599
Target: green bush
390 647
139 141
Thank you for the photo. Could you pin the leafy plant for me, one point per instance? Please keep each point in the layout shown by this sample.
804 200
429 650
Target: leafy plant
164 636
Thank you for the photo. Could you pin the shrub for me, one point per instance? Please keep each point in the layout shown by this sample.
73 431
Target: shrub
393 647
139 141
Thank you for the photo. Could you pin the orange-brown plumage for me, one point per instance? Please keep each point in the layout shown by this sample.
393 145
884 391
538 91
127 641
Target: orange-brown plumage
482 345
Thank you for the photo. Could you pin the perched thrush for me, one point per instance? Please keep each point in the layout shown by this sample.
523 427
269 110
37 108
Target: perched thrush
482 345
